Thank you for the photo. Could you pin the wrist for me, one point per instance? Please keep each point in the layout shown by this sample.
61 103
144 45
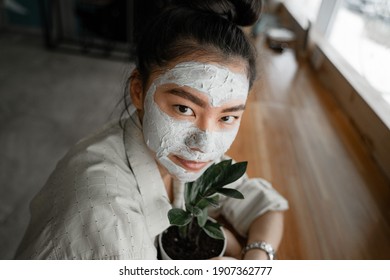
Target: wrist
257 250
255 255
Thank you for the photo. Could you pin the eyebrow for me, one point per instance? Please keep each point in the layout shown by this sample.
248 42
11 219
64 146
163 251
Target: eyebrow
200 102
188 96
240 107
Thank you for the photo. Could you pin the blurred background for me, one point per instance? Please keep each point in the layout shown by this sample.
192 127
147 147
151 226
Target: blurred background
317 126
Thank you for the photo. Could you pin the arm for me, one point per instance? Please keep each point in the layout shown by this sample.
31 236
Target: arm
268 228
256 218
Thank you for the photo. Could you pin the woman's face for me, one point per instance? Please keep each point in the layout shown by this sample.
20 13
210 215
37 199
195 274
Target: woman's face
191 115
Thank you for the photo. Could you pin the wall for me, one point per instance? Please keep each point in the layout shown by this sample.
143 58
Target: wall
25 13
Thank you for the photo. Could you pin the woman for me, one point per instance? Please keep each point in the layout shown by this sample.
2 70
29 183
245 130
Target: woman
109 196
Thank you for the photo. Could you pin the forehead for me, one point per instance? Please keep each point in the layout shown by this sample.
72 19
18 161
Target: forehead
219 83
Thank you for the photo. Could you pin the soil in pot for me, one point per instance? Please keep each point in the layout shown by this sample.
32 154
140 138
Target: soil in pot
180 249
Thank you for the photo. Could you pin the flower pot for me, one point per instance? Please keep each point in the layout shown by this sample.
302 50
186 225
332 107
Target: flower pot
173 247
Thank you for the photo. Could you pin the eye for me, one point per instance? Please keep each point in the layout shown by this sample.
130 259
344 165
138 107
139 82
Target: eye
229 119
183 110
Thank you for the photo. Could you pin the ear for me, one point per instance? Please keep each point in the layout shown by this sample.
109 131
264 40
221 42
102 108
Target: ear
136 90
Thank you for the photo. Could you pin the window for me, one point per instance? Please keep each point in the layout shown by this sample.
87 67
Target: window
361 34
307 9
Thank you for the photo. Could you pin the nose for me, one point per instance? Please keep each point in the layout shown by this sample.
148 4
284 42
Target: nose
206 124
200 141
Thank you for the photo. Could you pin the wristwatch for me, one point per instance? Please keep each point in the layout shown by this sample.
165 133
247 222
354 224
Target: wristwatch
266 247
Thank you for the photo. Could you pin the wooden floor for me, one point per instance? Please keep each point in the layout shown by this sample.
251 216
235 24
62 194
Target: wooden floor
296 136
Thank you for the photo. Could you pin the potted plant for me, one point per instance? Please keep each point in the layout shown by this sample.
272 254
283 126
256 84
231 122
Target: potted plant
193 234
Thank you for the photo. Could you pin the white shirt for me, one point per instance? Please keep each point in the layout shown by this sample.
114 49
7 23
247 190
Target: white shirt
106 200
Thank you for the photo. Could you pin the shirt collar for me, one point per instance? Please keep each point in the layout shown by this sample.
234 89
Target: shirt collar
151 186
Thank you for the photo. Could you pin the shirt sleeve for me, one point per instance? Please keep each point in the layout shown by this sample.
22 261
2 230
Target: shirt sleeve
90 208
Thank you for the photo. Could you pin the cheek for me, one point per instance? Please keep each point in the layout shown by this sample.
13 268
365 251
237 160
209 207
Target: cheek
228 138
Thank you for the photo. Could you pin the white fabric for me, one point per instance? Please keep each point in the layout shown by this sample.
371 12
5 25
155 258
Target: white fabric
94 206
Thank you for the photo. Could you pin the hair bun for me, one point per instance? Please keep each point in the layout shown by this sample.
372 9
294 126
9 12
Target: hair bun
239 12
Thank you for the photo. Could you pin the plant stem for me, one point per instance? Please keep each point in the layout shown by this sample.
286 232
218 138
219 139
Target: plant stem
190 226
183 232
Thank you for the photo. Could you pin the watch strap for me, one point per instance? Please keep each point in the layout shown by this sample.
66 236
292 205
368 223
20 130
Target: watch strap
266 247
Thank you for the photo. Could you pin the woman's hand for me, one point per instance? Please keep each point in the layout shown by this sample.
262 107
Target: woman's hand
233 246
256 254
223 258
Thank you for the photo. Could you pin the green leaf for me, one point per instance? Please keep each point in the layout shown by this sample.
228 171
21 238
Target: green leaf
219 175
179 217
183 232
190 193
208 178
231 193
202 219
234 172
206 201
197 211
187 193
202 193
213 230
214 200
225 163
220 170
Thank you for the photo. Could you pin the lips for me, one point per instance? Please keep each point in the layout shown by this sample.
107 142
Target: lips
192 166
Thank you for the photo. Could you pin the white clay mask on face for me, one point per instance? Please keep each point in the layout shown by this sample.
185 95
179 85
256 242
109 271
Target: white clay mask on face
167 136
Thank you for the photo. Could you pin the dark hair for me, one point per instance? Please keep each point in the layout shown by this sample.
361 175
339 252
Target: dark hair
187 27
205 26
